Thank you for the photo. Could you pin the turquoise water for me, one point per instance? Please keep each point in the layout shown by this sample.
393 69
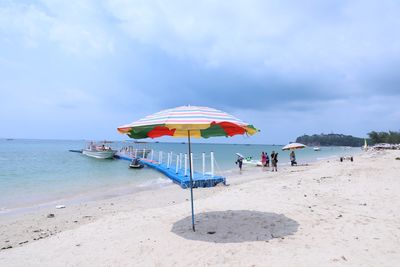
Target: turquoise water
40 171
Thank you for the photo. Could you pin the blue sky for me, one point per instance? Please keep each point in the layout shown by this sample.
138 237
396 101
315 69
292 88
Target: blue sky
79 69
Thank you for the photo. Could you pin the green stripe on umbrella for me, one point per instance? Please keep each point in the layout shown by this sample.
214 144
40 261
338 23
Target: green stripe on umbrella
140 132
213 130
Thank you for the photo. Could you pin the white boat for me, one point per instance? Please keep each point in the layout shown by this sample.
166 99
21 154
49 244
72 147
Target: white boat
99 151
317 148
252 163
249 161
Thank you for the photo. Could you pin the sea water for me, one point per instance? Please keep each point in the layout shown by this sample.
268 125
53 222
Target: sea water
35 172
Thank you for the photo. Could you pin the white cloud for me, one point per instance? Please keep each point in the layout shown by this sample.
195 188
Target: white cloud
23 22
255 35
291 37
76 30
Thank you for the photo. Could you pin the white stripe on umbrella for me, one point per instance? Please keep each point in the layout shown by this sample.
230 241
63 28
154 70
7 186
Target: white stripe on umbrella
186 115
293 146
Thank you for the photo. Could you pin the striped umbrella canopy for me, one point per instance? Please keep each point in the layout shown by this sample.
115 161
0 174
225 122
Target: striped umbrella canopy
202 122
187 121
293 146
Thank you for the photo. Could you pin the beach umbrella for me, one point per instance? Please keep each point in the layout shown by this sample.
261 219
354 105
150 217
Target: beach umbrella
188 122
293 146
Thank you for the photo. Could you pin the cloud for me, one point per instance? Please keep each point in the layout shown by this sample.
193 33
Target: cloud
73 27
178 82
283 34
245 53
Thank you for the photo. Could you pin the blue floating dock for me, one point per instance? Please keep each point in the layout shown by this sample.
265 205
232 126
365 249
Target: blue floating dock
199 180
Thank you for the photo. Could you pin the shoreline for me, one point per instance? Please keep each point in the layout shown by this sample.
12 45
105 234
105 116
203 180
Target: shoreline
103 193
96 194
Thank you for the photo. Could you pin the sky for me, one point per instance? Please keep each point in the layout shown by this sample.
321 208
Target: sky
79 69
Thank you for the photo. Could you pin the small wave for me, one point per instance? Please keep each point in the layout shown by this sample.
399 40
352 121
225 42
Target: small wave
4 210
156 182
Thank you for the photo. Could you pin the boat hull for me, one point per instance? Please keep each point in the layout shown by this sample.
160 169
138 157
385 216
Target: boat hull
108 154
252 163
138 166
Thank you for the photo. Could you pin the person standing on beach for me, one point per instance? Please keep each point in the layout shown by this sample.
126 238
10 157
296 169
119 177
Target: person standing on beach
266 160
263 159
293 158
274 161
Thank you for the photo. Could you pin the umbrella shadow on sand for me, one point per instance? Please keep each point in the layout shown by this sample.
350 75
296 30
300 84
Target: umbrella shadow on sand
235 226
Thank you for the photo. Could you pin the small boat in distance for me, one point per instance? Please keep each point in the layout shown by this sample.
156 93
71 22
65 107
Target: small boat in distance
317 148
97 151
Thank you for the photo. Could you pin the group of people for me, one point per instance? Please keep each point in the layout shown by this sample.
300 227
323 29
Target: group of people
274 160
265 160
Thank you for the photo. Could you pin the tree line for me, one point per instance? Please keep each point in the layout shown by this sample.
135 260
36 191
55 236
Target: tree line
330 140
391 137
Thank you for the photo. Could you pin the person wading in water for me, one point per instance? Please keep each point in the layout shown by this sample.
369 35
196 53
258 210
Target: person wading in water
239 162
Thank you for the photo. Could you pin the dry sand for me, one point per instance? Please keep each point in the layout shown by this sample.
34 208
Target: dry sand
329 213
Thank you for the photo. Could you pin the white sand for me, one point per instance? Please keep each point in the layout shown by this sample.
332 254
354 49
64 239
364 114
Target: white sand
330 213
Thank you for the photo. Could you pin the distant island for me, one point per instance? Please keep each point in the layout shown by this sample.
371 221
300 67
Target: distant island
390 137
330 140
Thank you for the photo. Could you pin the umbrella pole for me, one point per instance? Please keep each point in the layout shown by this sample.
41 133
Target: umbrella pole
191 180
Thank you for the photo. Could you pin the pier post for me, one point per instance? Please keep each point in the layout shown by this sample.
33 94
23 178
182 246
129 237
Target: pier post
177 164
167 160
144 153
136 153
160 157
204 163
152 154
185 164
212 164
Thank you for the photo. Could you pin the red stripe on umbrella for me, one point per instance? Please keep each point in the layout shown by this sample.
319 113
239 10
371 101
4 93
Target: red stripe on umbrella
159 131
231 129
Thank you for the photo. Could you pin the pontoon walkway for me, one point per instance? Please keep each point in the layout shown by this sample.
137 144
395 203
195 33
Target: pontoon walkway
199 180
